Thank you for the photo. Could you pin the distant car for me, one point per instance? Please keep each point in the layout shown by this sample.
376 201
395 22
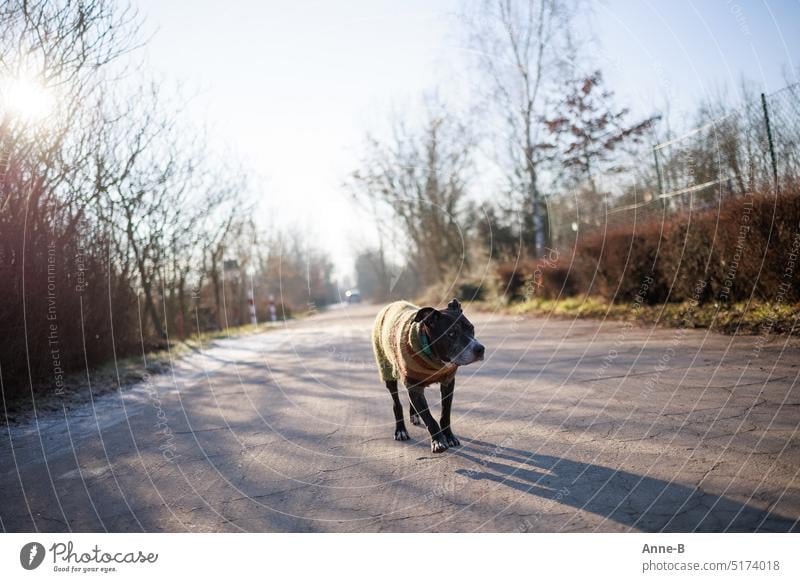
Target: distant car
352 296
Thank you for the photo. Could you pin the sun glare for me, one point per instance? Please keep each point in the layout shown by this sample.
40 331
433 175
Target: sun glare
25 98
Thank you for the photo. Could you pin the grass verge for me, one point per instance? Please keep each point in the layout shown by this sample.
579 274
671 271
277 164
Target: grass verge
730 318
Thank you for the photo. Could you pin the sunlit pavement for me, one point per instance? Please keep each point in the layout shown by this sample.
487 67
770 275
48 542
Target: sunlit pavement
566 426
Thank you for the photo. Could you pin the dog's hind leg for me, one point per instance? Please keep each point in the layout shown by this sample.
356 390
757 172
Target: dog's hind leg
413 414
400 432
438 443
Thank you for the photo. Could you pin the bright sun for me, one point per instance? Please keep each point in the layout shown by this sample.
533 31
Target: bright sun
25 98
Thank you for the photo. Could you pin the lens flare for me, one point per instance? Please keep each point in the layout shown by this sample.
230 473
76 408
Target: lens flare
26 99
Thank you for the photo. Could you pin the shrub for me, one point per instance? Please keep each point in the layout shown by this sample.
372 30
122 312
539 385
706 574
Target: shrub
773 264
747 246
511 279
690 255
621 265
555 280
471 291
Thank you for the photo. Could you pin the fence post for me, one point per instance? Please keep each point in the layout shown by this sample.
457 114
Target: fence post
658 172
769 140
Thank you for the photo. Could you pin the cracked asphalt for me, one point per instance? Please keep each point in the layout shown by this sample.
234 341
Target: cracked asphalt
566 426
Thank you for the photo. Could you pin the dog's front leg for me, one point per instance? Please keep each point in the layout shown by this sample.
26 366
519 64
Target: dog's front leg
417 396
400 432
447 404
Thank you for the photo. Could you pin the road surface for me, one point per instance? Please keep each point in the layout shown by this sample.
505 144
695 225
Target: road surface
566 426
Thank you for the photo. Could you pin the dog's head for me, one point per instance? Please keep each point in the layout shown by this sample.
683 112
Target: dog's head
450 333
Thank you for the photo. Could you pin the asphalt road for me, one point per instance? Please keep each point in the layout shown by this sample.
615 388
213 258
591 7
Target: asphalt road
566 426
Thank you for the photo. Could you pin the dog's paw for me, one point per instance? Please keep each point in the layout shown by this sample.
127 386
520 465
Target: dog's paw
438 445
451 440
416 420
401 435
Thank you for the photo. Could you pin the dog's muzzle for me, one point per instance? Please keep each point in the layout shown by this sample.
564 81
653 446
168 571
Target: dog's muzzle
473 352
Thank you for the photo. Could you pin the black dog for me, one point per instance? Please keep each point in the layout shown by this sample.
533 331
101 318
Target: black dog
422 346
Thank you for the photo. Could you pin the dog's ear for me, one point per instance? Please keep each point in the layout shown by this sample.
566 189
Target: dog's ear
454 306
426 315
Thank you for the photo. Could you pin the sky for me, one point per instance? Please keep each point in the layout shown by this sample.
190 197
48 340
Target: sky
293 87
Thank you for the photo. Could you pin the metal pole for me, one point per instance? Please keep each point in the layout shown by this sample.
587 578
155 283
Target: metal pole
273 313
251 303
771 145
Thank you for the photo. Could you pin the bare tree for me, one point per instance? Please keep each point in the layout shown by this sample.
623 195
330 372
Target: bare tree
109 200
222 217
294 270
52 251
421 179
589 129
522 47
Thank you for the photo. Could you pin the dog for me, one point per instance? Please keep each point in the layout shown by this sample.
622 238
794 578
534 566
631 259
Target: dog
422 346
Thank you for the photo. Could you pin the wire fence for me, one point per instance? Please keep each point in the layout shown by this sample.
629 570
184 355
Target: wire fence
752 149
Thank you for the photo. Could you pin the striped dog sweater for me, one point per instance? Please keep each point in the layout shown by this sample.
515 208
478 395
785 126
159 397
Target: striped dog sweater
399 349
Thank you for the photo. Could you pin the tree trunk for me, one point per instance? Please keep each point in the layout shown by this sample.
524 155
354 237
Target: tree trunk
217 295
538 224
150 306
182 307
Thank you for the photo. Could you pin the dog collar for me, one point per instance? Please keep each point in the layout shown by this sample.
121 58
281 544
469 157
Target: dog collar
426 347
